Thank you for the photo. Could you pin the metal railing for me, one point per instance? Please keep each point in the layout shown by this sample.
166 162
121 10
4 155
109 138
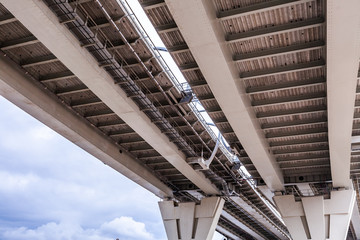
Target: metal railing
185 87
181 87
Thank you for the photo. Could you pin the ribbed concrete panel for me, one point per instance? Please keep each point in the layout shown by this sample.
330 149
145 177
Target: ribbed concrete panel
206 41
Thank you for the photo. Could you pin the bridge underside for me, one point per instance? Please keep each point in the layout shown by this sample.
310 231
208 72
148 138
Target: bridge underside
266 72
272 71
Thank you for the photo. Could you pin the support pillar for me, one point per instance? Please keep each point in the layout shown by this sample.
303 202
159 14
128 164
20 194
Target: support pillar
188 221
317 218
355 219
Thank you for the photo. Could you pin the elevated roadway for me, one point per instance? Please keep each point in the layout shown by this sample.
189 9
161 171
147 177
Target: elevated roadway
267 73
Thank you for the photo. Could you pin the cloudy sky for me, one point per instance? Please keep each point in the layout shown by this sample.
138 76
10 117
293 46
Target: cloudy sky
52 189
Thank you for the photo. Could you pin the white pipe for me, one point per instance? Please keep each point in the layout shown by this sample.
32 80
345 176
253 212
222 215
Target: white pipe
208 162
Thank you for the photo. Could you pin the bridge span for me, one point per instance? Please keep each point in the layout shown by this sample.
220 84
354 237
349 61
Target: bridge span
278 78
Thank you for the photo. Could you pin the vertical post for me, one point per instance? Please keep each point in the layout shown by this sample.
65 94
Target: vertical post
317 218
188 221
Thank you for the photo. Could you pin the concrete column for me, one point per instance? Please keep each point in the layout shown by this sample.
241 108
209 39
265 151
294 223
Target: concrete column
355 219
317 218
188 221
342 65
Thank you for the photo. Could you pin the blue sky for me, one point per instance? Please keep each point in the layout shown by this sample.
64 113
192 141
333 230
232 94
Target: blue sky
52 189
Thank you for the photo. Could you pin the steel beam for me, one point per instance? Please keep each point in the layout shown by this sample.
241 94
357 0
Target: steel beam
39 61
137 80
278 51
80 1
300 122
121 132
169 27
301 150
357 103
297 132
85 102
188 67
206 97
132 142
151 158
205 38
161 166
27 94
53 77
178 48
72 90
302 157
114 123
258 7
102 24
198 83
286 85
150 4
64 45
8 18
21 42
215 109
99 113
289 112
357 115
289 99
121 45
343 53
311 140
356 126
283 28
220 120
305 167
131 65
303 163
283 69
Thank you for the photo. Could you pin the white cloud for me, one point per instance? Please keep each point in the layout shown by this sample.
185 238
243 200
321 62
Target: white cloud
126 228
123 228
15 182
44 178
52 189
53 231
